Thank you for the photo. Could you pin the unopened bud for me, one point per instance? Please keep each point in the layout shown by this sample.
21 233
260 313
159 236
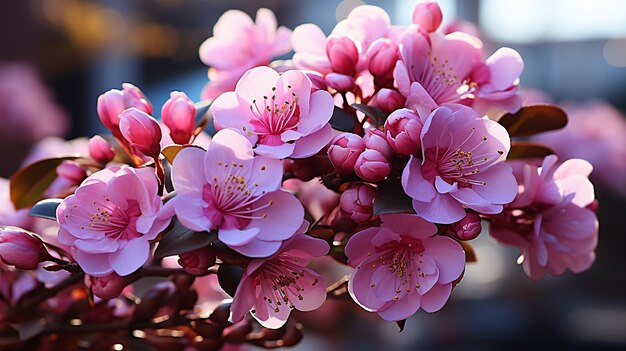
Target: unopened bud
375 139
358 202
467 228
344 150
141 131
427 15
20 249
179 115
198 261
108 287
372 166
403 128
343 55
100 150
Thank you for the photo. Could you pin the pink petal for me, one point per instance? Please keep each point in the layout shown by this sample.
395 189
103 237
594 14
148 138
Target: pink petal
131 257
409 224
506 66
277 152
282 217
282 42
441 209
104 245
309 38
255 84
304 246
258 248
96 265
581 187
320 112
237 237
414 183
401 76
230 112
189 211
312 143
436 297
448 255
359 287
313 291
401 309
359 246
300 85
265 176
501 186
243 300
188 171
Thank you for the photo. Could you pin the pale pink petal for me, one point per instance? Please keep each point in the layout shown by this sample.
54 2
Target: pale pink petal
360 288
500 184
436 297
228 113
312 143
255 84
280 213
188 171
441 209
131 257
320 112
409 225
414 183
258 248
359 247
189 211
313 293
237 237
277 152
96 265
506 66
243 300
449 256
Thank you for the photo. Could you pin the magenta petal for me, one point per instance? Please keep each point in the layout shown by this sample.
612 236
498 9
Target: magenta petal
414 183
131 257
305 246
359 246
500 187
258 248
448 255
312 143
96 265
384 284
237 237
401 309
441 209
243 300
436 297
359 287
313 291
403 81
280 213
409 224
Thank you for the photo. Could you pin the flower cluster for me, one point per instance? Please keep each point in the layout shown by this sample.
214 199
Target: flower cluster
371 145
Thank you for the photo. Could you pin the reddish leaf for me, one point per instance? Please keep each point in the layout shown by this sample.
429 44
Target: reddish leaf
530 120
470 254
525 149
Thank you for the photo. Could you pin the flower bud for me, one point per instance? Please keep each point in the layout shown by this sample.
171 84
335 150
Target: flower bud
108 287
179 115
375 139
141 131
372 166
427 15
340 82
317 81
198 261
358 202
382 56
403 128
344 150
20 249
71 171
113 102
343 55
100 150
467 228
389 100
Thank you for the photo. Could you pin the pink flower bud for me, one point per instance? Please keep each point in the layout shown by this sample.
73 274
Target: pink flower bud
372 166
112 103
20 249
108 287
403 128
317 81
375 139
340 82
468 228
343 55
344 150
141 131
197 262
100 150
70 170
357 202
389 100
427 15
179 115
382 56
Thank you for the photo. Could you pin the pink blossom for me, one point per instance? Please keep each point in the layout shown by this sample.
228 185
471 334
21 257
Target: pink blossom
402 266
498 82
467 228
20 249
71 171
179 115
388 100
271 287
344 150
427 15
100 150
343 55
460 166
376 140
372 166
230 190
109 286
403 128
141 131
239 44
357 202
381 59
340 82
549 220
110 220
112 103
278 113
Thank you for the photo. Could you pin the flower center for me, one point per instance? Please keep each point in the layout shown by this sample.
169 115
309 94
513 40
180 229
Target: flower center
115 221
272 117
442 82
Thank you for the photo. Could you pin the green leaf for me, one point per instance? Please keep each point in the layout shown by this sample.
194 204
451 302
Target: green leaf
29 184
390 198
46 209
523 149
342 120
228 276
530 120
372 112
180 240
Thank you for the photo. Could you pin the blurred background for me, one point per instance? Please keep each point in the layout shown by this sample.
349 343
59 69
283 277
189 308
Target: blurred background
57 56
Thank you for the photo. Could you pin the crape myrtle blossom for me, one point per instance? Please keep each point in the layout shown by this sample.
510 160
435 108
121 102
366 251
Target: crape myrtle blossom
239 44
402 266
110 219
229 189
549 220
277 112
271 287
460 166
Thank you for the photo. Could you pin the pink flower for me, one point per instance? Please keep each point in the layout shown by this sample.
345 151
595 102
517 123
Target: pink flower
403 128
460 166
230 190
271 287
388 100
498 82
344 150
239 44
427 15
112 103
72 171
357 202
109 286
141 131
372 166
110 220
198 261
549 220
376 140
381 60
20 249
179 115
278 113
100 150
402 266
343 55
